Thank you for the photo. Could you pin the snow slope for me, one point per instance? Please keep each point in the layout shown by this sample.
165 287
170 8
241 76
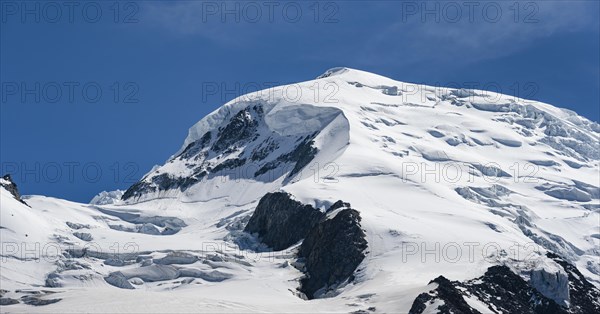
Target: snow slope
448 182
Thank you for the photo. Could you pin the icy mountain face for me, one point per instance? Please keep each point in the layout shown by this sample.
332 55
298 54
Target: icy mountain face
470 185
266 137
105 198
252 141
488 148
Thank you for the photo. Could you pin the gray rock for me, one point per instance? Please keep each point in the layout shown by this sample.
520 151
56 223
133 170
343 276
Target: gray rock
333 250
281 221
11 187
499 288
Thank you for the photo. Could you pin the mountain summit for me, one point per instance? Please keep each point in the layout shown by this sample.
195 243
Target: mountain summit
350 192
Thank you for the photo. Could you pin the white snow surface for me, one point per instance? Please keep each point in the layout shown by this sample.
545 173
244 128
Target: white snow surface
105 198
422 165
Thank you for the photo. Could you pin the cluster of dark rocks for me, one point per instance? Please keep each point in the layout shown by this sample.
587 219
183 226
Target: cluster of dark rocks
11 187
240 133
503 291
334 243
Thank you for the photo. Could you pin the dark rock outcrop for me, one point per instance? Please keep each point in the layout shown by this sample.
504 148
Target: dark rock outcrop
229 164
332 251
241 128
281 221
162 182
337 205
11 187
239 142
194 148
503 291
507 292
446 291
333 246
302 155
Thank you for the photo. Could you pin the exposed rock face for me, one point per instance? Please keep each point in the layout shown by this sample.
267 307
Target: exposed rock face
506 292
332 250
337 205
251 143
333 246
7 183
194 148
500 289
446 291
162 182
241 128
301 156
281 221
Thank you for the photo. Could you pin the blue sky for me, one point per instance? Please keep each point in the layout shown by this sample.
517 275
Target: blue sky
159 55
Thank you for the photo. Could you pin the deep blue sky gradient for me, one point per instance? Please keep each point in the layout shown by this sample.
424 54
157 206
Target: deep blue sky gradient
175 48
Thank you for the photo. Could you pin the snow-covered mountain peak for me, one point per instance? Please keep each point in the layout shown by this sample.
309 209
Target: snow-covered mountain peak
369 186
334 71
437 147
346 114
